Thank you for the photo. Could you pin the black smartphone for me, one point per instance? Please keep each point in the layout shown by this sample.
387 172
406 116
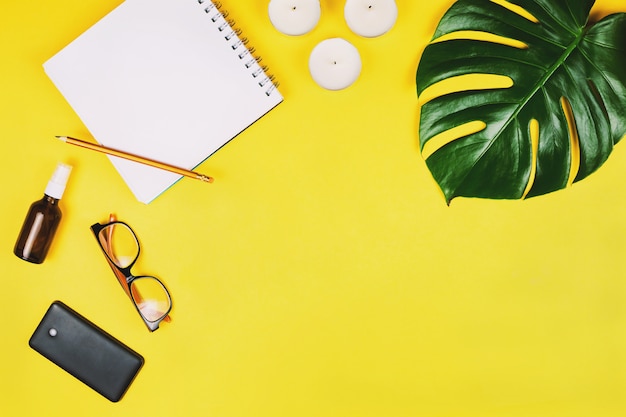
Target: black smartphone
86 351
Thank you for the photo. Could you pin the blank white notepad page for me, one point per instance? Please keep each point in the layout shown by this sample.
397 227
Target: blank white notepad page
159 79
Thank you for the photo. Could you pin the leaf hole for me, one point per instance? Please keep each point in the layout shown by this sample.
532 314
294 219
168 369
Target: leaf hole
596 94
440 140
517 10
533 130
481 36
573 139
466 82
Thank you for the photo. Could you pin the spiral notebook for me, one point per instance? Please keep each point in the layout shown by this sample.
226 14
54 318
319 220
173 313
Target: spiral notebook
170 80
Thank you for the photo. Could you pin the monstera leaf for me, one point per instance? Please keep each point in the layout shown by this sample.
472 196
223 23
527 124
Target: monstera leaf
556 121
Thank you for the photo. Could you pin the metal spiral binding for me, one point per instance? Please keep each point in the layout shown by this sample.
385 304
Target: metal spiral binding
214 10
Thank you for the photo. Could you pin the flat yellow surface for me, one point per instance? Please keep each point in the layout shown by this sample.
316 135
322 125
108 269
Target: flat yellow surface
322 274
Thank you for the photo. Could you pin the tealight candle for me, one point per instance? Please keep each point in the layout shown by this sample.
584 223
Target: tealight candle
335 64
370 18
294 17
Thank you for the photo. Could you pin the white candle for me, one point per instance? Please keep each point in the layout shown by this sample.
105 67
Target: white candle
294 17
370 18
335 64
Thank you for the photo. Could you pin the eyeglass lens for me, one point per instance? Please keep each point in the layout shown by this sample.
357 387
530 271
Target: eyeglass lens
150 297
148 293
120 243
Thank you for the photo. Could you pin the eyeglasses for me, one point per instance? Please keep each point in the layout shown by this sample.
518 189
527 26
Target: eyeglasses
121 247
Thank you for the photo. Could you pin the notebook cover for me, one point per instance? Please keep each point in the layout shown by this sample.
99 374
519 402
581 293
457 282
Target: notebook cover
169 80
85 351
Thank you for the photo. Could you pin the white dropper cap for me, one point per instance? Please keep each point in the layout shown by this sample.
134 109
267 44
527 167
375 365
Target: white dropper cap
56 185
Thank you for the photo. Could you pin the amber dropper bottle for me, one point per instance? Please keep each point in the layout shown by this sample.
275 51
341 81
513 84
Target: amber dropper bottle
42 219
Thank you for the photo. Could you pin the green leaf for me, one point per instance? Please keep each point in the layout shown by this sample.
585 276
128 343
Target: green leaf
567 76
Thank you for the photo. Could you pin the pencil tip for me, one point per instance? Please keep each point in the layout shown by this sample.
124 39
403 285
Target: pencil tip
63 138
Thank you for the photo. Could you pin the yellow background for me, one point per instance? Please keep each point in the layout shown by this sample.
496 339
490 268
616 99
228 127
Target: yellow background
322 274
